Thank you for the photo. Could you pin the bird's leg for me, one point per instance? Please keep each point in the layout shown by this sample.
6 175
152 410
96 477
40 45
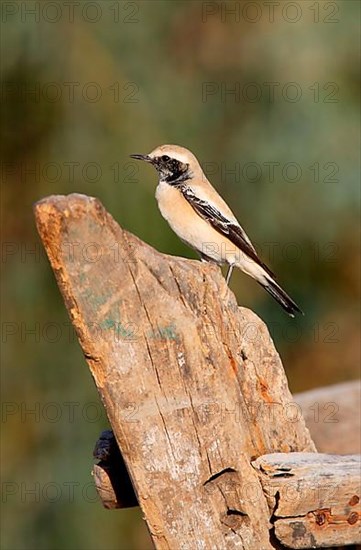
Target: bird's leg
229 273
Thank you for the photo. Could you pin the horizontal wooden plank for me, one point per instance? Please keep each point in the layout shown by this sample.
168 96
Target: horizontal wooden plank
314 499
317 530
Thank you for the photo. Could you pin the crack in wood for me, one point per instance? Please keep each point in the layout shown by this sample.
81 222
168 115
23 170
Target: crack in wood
219 474
233 512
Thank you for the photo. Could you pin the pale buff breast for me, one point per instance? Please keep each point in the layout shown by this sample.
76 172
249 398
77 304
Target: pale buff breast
191 228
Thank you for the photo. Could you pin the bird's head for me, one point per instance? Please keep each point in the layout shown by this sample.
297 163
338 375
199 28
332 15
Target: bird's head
173 163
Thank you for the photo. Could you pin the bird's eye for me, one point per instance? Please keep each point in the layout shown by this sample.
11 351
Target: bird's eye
165 158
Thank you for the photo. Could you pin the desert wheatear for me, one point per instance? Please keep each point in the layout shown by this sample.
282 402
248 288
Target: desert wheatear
201 218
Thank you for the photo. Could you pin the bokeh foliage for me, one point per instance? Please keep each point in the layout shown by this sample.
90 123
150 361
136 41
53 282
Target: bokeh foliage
83 91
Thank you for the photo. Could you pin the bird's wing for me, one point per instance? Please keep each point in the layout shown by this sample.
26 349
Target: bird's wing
223 225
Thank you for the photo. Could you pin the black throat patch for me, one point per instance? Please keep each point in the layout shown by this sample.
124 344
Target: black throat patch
172 171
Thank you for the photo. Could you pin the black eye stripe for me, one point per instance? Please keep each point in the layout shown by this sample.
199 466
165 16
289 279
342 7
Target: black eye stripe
171 170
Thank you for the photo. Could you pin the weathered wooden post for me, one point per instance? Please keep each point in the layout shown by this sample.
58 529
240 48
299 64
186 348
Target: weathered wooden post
193 387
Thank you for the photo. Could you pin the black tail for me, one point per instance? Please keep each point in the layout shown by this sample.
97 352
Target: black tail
281 297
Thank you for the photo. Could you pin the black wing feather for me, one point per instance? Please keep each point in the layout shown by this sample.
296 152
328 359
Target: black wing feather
224 226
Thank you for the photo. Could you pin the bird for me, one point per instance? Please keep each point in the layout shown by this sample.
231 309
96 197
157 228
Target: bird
203 220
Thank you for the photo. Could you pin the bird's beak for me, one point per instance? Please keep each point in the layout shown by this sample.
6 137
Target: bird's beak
146 158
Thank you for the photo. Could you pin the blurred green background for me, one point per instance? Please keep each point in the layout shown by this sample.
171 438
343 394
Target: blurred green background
267 98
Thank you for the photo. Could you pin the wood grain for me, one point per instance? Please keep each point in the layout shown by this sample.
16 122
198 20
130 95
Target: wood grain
314 498
192 384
